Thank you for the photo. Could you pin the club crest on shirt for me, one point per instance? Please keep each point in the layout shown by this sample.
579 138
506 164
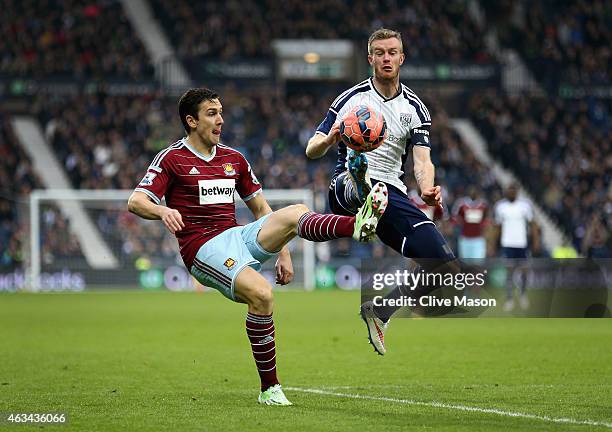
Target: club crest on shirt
228 169
229 263
405 119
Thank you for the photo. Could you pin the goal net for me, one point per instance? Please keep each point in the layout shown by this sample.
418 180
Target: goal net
82 239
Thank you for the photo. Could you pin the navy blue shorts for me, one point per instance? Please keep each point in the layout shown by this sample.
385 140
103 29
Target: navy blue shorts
403 227
511 253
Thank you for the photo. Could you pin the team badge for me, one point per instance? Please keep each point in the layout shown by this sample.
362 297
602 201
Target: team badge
228 169
405 119
229 263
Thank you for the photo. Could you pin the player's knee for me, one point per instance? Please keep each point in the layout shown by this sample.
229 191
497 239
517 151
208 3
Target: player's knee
299 209
262 299
296 211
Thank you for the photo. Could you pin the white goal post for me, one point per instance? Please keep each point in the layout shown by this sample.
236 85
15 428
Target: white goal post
96 253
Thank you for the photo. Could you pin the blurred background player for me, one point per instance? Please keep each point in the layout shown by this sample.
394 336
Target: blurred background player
514 227
404 227
470 214
198 177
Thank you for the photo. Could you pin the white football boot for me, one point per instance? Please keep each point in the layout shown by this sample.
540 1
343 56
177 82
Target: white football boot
375 326
273 396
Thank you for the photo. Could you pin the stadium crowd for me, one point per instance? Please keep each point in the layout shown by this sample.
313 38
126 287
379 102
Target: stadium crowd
17 179
563 42
96 136
237 29
560 150
70 39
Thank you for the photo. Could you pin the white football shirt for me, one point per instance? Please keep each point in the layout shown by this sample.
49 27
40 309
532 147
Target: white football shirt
404 114
514 217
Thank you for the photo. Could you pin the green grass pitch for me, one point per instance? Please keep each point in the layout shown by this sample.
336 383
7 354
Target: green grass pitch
181 361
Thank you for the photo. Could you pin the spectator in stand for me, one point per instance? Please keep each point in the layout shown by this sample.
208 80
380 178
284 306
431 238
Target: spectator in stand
470 214
596 243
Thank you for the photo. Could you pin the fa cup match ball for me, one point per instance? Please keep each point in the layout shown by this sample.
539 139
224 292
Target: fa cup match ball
363 129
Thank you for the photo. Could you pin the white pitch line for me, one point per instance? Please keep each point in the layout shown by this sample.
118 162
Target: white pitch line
434 404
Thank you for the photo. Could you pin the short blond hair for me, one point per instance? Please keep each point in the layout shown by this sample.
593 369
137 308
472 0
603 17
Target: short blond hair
383 33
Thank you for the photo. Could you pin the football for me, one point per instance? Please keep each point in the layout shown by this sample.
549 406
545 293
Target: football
363 129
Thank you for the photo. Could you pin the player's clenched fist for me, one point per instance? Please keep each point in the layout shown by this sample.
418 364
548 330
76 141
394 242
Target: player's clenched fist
284 269
172 219
432 196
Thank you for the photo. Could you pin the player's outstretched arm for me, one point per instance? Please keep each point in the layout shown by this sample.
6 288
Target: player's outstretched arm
140 204
424 173
319 143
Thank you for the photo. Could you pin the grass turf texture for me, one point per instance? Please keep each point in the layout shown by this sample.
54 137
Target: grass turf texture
181 361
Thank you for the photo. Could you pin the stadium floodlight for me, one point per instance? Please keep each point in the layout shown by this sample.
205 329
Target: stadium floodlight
136 245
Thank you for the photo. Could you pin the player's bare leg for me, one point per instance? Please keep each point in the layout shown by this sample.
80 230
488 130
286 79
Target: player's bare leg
253 289
280 227
296 220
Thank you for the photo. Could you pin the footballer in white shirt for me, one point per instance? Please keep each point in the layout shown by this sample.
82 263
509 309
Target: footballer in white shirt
514 223
403 227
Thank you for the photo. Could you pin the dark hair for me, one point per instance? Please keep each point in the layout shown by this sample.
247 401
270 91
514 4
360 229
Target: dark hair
189 103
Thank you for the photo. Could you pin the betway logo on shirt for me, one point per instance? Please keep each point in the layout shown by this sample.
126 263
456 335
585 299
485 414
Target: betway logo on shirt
473 216
217 191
